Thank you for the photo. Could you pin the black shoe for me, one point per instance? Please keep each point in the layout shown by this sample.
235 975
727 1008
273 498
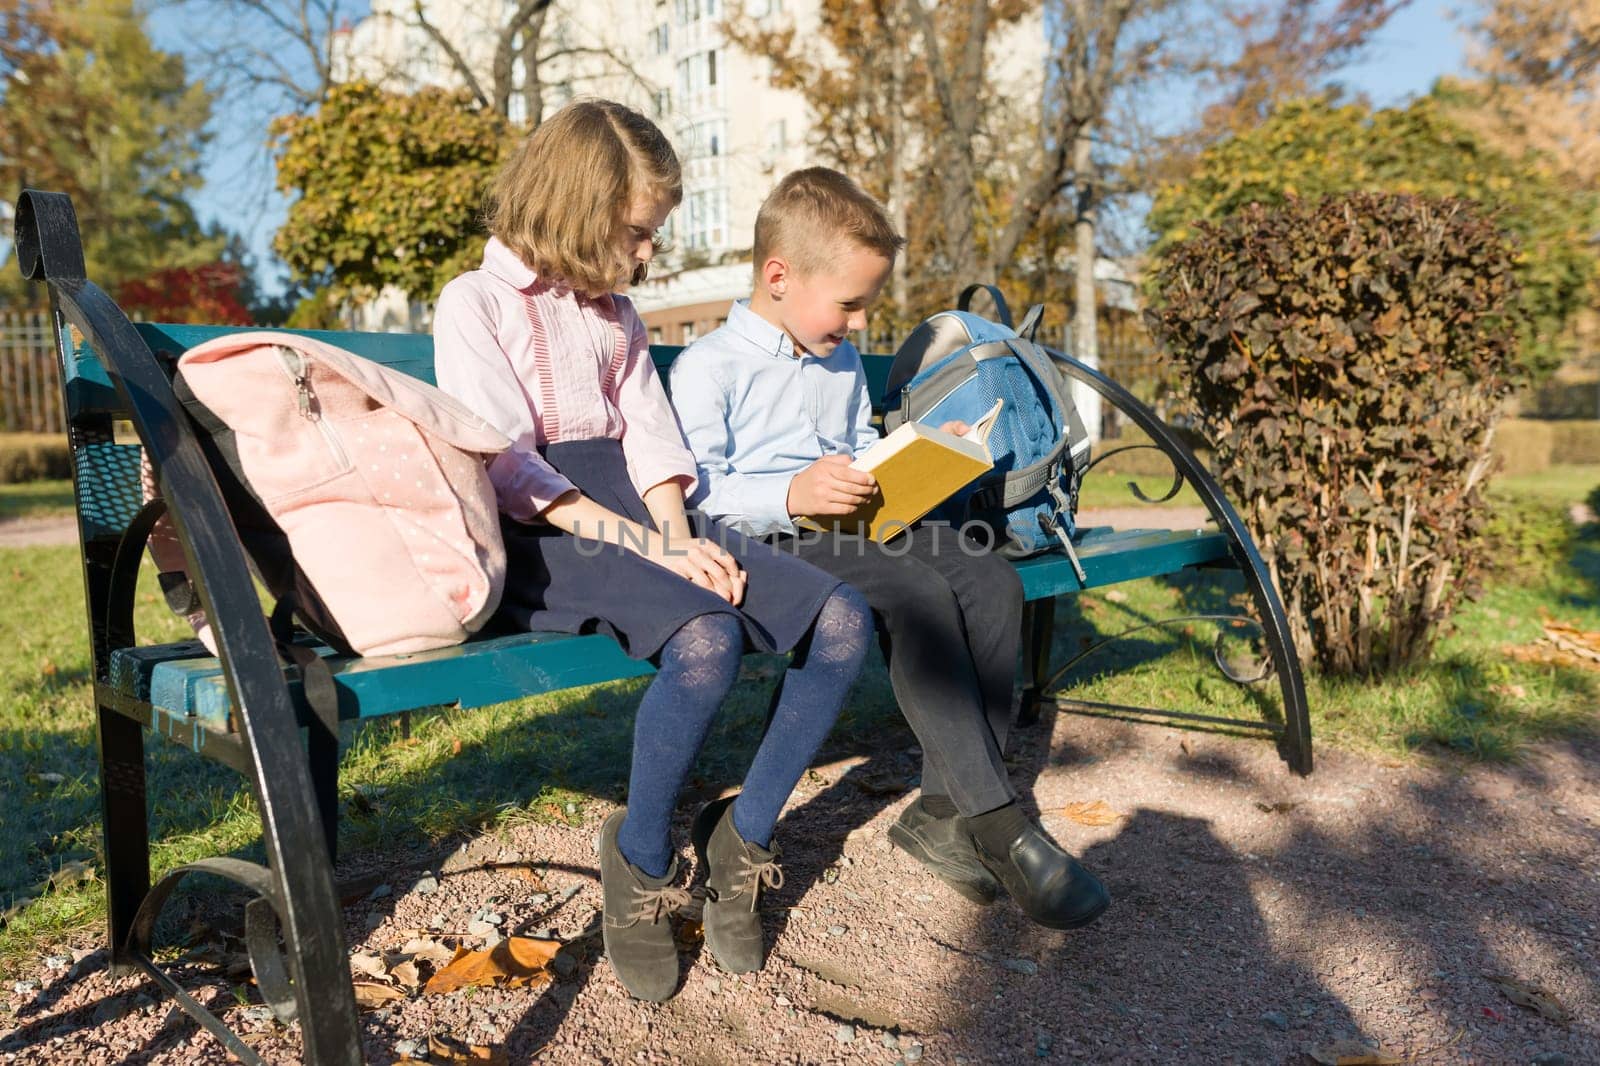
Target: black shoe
1049 885
736 872
945 847
636 929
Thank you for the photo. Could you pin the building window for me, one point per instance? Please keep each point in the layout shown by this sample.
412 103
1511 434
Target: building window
711 67
663 102
659 39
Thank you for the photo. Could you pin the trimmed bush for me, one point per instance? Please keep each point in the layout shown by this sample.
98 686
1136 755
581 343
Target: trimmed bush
33 457
1348 360
1523 446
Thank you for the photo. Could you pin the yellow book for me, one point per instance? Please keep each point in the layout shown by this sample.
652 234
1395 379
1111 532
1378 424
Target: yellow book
917 468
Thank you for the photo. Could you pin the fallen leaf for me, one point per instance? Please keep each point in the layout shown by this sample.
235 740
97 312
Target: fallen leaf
72 873
1117 596
885 784
1281 807
1531 996
370 965
515 962
428 951
1089 812
406 973
1570 638
1351 1053
446 1049
455 746
1515 692
523 872
689 933
370 995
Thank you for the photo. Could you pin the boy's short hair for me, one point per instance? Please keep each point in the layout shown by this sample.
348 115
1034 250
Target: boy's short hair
810 211
561 200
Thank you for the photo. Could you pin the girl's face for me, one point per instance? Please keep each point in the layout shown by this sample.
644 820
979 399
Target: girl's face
647 214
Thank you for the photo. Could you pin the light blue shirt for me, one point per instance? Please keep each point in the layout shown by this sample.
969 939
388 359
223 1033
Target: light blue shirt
755 415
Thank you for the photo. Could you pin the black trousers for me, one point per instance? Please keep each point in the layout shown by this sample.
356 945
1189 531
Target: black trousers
949 622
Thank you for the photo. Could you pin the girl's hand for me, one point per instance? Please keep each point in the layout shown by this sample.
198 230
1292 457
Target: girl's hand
959 428
700 562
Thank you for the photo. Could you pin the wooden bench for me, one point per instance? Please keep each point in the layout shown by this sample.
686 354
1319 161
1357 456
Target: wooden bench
245 710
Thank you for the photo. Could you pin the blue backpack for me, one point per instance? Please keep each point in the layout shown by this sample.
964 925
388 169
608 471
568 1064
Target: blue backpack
954 366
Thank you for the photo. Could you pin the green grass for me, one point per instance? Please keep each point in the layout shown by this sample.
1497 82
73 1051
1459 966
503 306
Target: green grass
1562 484
31 499
1103 489
544 758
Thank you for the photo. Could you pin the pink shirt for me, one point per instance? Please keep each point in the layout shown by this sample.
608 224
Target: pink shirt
544 364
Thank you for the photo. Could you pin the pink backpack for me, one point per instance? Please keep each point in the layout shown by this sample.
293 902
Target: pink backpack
361 494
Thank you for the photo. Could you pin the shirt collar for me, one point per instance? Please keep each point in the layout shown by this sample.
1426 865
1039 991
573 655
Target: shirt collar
758 331
507 265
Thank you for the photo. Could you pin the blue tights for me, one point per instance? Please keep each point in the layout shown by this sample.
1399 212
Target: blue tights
699 664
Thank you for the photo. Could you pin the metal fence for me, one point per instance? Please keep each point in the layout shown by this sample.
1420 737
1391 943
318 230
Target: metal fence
30 380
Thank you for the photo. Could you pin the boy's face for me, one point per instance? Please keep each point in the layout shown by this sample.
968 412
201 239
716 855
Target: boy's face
819 310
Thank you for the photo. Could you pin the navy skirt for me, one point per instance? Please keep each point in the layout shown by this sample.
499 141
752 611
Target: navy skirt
556 582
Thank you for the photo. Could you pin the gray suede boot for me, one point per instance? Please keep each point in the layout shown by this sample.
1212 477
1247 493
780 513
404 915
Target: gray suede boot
637 929
736 872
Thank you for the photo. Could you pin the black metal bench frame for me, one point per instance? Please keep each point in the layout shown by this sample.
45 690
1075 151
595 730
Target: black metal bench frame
307 976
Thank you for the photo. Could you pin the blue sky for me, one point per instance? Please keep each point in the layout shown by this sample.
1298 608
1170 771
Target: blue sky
1415 48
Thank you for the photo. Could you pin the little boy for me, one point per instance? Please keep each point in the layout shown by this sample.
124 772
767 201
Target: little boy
774 404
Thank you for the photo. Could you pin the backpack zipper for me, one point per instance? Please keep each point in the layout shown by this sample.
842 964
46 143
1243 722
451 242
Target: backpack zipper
300 374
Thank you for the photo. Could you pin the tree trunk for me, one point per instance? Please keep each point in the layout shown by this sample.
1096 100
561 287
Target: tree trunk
897 165
1084 320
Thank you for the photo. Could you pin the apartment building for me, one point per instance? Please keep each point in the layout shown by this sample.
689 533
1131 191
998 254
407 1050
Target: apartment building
735 133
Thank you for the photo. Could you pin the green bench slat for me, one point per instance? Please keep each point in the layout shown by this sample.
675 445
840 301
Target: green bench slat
1111 555
181 680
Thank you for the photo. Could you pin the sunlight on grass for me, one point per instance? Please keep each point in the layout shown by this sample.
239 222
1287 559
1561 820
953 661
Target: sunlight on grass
35 499
545 757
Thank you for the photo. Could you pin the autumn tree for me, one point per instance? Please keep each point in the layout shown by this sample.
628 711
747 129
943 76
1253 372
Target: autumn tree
1311 149
89 107
388 188
1539 62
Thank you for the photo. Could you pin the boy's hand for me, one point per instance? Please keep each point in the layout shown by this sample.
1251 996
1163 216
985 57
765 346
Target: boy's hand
829 487
958 428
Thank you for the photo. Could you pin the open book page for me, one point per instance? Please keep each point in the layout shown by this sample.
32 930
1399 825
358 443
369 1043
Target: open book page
979 431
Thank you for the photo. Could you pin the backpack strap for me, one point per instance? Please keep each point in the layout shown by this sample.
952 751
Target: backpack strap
941 382
1030 322
1002 310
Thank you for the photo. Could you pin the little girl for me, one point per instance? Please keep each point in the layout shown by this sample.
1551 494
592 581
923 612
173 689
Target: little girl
592 501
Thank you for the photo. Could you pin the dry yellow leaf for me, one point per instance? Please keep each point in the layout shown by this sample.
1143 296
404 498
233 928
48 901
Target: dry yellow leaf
1351 1053
1531 996
515 962
444 1049
368 965
1094 812
370 995
428 951
406 973
689 933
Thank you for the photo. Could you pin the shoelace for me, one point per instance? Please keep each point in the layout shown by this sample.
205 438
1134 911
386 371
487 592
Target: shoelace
757 874
654 903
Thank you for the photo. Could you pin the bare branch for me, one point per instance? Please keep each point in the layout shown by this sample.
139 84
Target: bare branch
456 60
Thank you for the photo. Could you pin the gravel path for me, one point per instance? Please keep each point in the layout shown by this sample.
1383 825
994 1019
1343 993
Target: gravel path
44 530
1256 915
